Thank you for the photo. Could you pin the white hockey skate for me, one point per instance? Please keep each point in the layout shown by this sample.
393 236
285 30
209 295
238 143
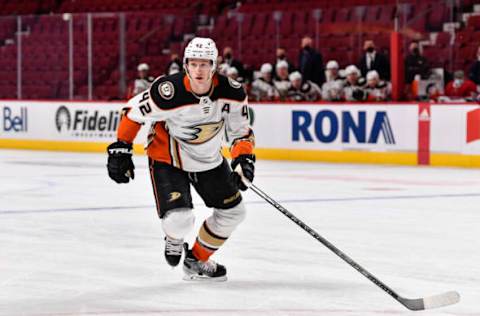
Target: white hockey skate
196 270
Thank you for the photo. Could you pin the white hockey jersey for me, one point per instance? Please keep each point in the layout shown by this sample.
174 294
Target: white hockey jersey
188 130
263 90
141 85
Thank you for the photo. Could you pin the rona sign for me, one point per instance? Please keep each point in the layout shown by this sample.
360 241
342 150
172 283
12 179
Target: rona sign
347 126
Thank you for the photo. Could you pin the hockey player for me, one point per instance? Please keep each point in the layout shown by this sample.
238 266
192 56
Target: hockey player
302 90
190 112
377 90
281 82
332 89
143 81
262 87
354 87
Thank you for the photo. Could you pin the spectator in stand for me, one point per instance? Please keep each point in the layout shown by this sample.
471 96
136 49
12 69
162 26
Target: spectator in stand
232 62
461 88
332 88
310 62
354 86
281 83
262 87
302 90
281 55
377 90
415 64
474 73
143 81
175 65
373 60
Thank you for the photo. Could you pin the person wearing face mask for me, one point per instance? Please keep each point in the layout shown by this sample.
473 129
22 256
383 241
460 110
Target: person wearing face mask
474 73
310 62
373 60
232 62
281 55
415 64
461 87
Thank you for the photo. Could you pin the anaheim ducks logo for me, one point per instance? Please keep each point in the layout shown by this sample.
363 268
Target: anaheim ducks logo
174 196
202 133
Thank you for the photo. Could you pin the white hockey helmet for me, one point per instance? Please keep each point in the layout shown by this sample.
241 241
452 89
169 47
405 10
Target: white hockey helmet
266 68
352 69
372 75
143 67
332 64
201 48
281 64
295 76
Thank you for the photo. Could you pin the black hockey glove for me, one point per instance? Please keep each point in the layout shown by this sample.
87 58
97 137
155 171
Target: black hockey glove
247 163
120 164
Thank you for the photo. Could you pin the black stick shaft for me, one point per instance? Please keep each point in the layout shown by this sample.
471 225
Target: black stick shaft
326 243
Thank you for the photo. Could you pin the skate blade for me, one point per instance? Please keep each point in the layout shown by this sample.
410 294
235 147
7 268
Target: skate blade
201 278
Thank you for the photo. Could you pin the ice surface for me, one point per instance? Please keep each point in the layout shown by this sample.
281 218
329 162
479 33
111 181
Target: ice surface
72 242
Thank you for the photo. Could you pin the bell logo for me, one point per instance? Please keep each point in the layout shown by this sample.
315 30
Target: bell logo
14 120
473 126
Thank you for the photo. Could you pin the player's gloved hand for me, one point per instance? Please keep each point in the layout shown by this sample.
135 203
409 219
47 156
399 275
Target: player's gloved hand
120 164
247 165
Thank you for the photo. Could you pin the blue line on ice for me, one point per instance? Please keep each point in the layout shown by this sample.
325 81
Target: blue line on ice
365 198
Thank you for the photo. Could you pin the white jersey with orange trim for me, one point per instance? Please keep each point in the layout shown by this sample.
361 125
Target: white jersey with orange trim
188 129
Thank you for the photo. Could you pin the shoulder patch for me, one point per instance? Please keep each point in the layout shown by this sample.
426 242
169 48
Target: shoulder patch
234 84
166 90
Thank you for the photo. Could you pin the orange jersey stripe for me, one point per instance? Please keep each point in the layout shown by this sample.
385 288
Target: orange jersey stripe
127 129
159 148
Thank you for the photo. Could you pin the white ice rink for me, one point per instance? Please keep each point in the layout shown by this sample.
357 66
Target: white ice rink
72 242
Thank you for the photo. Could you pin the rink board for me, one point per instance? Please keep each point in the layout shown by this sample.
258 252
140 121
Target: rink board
409 134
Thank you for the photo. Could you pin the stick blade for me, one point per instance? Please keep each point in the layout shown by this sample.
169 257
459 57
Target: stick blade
436 301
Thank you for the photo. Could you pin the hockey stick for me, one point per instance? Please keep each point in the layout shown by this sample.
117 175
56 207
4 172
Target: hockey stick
435 301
